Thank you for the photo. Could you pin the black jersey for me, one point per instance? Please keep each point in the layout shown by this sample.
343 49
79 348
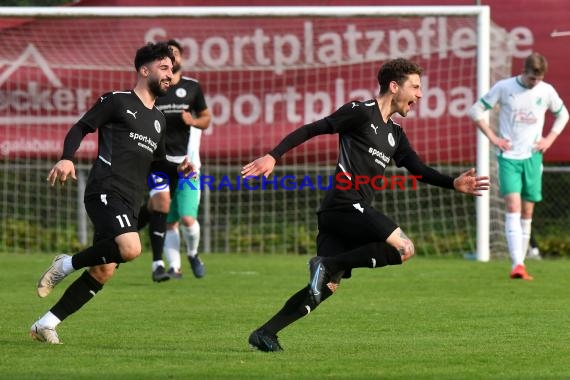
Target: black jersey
186 95
367 145
131 136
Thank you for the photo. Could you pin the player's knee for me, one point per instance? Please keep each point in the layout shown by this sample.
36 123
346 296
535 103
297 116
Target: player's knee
160 202
130 250
188 221
102 273
130 254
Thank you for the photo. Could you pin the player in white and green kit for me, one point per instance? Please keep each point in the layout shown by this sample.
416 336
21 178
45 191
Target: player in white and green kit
184 211
523 101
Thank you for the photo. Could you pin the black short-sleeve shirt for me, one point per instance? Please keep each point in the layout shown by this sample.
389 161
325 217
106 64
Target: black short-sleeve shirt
366 146
131 136
186 95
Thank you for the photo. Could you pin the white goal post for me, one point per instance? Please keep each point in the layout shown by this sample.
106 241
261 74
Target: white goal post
277 57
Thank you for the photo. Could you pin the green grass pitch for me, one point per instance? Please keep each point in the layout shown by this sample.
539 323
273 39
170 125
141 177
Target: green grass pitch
428 319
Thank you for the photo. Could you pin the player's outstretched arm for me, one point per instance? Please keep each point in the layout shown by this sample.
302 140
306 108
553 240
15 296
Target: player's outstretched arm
61 171
470 183
263 165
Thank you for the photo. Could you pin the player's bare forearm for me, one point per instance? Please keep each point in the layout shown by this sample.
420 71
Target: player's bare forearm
499 142
469 183
202 121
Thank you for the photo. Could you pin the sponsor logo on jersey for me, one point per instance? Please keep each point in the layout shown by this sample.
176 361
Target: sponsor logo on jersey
375 128
132 113
145 141
376 153
524 117
379 157
172 108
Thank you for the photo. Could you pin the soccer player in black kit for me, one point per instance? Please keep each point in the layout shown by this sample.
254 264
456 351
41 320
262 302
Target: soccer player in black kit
352 234
131 135
185 109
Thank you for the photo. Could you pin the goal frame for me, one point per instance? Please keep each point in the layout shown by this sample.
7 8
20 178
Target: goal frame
481 12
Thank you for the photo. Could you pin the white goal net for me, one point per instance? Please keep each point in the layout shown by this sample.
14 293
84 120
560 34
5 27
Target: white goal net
265 71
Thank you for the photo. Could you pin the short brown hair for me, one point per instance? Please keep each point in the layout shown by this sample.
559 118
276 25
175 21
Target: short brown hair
396 70
535 64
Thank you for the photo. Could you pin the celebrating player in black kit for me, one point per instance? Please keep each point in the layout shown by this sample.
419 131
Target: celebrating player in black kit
352 234
131 136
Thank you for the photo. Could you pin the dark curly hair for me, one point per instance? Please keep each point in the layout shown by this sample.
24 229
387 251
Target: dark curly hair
396 70
176 44
152 52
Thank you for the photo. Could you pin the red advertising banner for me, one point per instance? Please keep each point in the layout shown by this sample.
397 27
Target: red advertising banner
263 78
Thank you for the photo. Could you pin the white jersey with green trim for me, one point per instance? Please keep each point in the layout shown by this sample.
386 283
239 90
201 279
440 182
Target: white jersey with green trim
522 111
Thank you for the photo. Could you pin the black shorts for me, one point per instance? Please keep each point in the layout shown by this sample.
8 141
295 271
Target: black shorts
111 216
345 229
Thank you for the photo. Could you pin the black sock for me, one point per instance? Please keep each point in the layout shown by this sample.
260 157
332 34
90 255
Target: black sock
300 304
103 252
76 295
144 217
373 255
157 229
296 307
